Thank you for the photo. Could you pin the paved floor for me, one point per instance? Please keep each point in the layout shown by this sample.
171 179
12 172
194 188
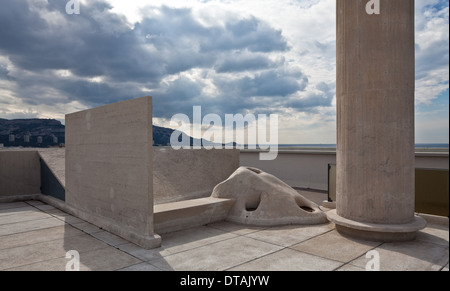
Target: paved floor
35 236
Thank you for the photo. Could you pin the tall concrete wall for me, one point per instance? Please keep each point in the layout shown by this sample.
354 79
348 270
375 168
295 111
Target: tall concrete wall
19 173
109 169
190 174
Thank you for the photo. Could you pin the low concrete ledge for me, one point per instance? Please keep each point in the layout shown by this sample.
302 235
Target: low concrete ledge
434 219
175 216
328 204
377 232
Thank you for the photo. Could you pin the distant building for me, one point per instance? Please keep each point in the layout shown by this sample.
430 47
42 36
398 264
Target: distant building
39 139
26 138
1 145
12 138
55 139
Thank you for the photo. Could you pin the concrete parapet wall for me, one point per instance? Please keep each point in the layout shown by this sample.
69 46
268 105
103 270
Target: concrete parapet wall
309 168
109 168
19 173
303 169
189 174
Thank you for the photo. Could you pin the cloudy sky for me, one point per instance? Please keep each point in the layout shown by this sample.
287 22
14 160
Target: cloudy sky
228 56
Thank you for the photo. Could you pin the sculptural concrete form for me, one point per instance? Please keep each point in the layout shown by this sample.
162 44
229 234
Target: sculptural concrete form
264 200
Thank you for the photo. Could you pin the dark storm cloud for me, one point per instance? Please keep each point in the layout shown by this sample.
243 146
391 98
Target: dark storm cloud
268 83
178 96
93 43
312 100
40 37
3 72
251 34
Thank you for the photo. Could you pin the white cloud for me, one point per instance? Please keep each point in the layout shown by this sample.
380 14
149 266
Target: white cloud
432 50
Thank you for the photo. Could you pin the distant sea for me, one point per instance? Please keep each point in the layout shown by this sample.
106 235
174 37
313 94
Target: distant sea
419 145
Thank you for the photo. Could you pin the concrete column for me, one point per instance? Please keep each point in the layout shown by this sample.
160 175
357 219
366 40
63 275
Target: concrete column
375 120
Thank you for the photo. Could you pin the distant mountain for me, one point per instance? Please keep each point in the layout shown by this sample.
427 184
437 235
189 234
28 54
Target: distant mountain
51 132
162 135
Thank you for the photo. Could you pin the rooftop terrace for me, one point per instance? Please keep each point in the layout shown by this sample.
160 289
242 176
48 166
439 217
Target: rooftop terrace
36 236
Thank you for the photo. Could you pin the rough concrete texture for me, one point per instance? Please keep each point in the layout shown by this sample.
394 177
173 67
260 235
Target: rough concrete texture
189 174
375 112
19 173
375 93
175 216
263 199
109 178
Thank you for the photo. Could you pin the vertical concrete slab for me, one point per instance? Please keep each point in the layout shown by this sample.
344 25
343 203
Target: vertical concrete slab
375 120
109 169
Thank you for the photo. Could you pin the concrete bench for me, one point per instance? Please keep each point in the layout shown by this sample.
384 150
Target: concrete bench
175 216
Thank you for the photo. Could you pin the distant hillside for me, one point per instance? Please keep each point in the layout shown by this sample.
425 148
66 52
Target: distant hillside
31 132
51 132
161 136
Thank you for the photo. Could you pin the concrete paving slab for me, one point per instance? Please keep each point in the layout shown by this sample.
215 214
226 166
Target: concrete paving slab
30 254
20 217
235 228
334 246
87 227
352 268
142 267
290 235
409 256
37 236
180 241
12 205
30 225
23 210
109 238
289 260
445 268
437 234
106 259
141 253
176 242
218 256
